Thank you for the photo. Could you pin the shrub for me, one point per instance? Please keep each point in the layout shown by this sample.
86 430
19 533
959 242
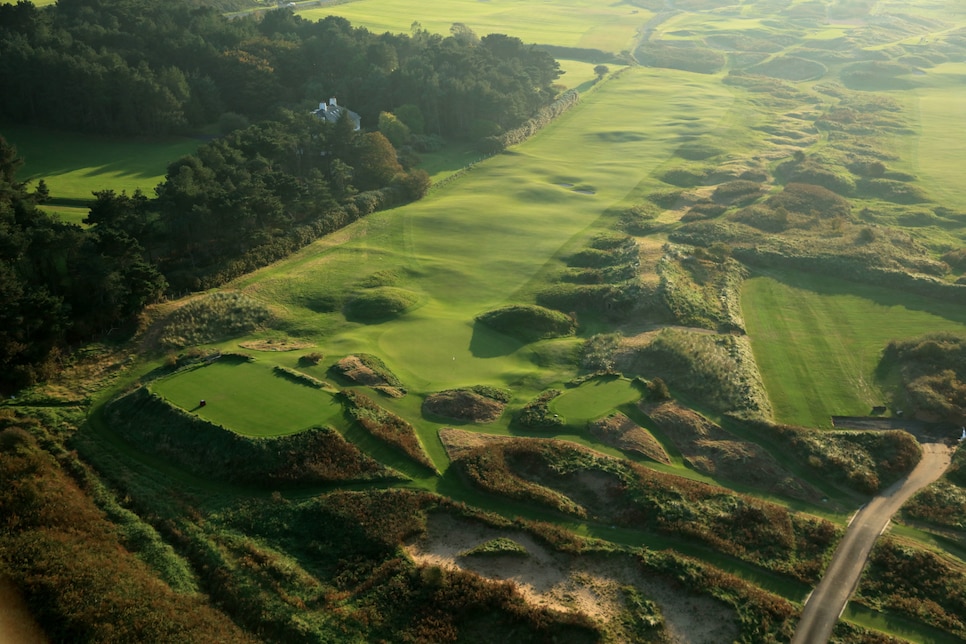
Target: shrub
536 414
299 377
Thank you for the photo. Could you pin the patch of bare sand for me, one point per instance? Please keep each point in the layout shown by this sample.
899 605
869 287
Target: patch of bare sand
17 625
587 584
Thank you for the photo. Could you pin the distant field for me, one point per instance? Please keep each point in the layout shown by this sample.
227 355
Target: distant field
69 214
818 341
74 165
250 399
580 23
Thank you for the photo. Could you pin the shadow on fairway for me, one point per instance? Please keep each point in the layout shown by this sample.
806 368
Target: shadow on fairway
487 343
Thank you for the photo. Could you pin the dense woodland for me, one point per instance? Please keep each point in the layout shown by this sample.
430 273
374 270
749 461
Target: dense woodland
137 67
247 198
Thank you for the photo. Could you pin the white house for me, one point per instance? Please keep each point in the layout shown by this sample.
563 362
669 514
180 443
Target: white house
332 112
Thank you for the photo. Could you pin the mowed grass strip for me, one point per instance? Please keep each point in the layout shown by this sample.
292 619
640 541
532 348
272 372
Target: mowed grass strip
74 165
942 141
250 399
818 341
581 23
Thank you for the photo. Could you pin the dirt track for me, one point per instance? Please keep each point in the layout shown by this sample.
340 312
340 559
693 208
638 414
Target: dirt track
829 598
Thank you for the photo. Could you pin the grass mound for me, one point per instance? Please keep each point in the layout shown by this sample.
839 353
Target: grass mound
212 318
691 59
478 404
529 323
379 304
317 455
719 369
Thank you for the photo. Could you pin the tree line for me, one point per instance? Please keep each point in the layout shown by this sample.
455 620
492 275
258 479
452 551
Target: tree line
137 67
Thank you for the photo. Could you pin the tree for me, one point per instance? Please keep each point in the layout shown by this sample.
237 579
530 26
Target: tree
375 162
601 71
393 129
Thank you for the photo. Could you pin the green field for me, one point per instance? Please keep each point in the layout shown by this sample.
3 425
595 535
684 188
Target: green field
581 23
74 165
817 341
251 399
943 138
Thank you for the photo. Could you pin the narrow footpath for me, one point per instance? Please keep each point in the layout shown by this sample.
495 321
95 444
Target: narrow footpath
827 602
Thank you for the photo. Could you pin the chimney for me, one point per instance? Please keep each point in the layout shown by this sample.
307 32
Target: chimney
332 102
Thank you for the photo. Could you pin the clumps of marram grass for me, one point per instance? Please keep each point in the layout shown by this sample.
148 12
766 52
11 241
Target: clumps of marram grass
494 547
528 322
311 359
367 369
385 426
479 404
212 318
720 369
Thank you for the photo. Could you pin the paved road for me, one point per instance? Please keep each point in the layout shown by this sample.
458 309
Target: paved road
829 598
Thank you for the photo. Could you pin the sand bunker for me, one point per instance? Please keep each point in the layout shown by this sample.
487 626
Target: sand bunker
587 584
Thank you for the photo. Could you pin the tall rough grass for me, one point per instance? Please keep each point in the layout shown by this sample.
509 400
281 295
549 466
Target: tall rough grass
214 317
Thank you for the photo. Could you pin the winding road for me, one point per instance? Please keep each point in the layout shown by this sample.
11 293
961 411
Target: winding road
828 600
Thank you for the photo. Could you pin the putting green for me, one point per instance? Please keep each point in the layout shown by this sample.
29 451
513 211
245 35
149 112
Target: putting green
594 399
818 341
250 398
